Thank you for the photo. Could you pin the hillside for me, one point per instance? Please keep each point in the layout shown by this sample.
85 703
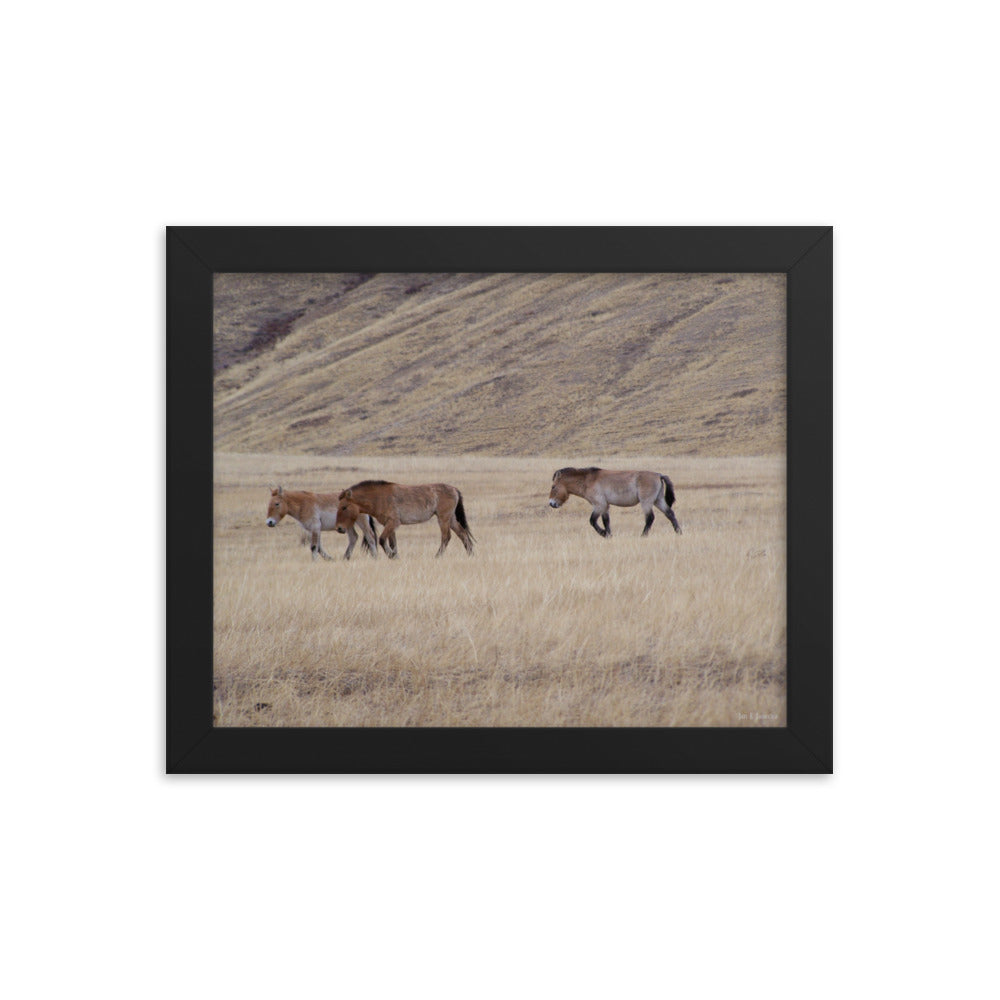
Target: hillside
571 365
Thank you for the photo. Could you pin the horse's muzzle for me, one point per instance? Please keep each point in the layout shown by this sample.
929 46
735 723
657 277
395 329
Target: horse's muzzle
553 503
271 522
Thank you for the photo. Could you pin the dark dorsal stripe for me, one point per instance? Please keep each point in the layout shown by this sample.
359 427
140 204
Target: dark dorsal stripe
370 482
570 471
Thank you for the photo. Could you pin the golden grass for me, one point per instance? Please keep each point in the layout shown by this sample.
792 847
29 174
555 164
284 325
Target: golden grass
546 625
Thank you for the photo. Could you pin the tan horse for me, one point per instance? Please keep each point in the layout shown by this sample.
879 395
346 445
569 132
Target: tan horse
392 505
347 516
317 512
620 489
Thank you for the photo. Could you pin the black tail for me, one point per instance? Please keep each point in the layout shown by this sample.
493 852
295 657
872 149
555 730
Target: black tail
460 515
373 528
668 491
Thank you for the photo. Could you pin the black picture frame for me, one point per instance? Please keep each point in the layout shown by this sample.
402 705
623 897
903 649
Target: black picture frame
803 253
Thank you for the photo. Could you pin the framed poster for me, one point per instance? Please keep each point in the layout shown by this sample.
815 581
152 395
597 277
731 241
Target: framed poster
584 477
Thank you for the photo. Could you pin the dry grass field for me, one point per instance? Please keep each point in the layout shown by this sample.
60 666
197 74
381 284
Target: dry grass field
546 625
490 382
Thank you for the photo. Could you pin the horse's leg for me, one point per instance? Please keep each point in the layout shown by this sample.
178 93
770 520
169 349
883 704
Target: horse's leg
463 535
648 511
352 537
456 520
661 504
388 537
317 546
601 511
388 542
444 523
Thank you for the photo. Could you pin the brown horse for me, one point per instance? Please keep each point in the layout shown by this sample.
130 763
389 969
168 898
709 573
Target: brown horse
317 512
347 516
621 489
392 505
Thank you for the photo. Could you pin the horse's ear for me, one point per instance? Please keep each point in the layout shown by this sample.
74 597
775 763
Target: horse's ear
556 474
281 491
346 495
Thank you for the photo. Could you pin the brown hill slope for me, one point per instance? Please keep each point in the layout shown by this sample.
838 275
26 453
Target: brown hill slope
509 364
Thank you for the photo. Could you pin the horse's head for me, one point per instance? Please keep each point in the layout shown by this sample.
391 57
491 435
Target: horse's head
558 493
347 513
277 508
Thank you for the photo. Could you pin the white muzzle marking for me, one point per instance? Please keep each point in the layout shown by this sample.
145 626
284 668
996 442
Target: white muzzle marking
271 522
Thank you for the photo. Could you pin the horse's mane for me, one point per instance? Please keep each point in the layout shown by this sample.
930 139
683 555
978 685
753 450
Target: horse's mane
370 482
570 471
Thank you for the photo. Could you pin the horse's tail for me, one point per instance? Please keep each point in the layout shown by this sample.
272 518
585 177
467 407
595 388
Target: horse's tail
460 515
668 490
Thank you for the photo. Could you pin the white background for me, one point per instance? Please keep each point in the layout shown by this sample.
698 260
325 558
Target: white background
877 118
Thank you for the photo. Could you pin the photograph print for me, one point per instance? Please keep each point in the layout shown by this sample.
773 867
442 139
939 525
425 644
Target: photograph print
499 500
